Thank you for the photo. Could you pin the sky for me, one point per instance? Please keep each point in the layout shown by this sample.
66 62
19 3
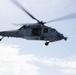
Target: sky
26 57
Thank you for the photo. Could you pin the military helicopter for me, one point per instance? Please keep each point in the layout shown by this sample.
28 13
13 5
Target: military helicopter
35 31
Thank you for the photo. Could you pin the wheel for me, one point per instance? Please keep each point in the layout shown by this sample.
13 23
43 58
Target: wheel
46 43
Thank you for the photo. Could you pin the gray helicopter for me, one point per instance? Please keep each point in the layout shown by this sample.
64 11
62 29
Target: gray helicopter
35 31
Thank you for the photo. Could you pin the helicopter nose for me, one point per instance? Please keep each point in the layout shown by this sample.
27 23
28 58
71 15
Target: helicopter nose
60 37
65 38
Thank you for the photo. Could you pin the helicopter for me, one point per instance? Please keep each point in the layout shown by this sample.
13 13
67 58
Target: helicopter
34 31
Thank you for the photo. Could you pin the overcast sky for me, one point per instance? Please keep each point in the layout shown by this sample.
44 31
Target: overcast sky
23 57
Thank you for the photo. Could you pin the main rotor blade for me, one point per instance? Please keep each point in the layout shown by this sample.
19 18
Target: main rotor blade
20 6
67 17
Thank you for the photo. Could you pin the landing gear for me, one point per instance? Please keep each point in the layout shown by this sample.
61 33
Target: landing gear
1 38
46 43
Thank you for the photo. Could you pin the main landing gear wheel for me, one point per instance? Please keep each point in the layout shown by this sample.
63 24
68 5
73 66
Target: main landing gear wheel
46 43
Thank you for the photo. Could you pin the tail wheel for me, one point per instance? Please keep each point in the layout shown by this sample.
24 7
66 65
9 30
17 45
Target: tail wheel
1 38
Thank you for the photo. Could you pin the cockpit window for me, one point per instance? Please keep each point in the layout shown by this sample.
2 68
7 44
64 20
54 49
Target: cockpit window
46 30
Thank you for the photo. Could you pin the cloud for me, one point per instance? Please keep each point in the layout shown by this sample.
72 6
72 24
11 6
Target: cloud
11 63
69 71
67 66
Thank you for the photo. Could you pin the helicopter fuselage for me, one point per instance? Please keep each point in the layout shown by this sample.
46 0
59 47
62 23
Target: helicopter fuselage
35 32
